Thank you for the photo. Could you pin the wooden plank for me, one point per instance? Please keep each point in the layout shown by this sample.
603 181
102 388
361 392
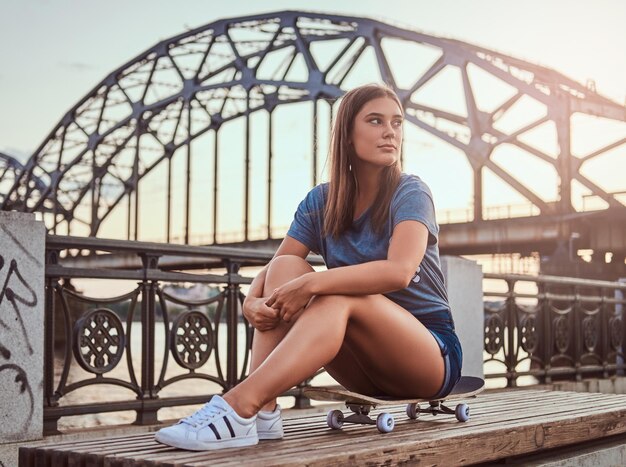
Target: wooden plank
148 435
299 447
61 454
481 446
97 440
477 407
410 442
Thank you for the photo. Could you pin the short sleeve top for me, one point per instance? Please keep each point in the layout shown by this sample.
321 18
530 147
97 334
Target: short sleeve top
412 200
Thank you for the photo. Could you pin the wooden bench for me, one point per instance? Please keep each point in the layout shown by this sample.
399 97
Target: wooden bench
503 424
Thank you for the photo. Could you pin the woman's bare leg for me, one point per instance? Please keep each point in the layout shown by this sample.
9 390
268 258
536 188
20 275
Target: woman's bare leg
282 269
344 368
379 332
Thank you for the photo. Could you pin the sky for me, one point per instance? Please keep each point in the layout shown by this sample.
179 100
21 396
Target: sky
54 52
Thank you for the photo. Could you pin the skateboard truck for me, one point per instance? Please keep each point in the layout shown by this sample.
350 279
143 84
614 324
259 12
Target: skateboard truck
461 411
360 416
385 421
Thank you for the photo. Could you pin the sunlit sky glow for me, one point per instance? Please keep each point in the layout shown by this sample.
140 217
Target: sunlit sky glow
55 52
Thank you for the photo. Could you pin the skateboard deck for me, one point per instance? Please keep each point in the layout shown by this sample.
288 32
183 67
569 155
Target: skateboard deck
467 386
360 404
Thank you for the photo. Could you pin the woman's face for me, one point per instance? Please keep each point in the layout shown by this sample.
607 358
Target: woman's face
377 132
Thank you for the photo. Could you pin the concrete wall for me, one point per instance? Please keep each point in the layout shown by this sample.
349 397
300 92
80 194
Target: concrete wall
464 281
22 263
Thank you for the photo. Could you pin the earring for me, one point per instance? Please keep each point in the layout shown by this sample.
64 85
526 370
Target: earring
349 167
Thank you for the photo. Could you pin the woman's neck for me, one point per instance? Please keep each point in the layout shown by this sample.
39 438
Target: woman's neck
368 184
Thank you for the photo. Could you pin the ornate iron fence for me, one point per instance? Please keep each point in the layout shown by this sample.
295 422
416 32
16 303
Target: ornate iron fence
550 328
553 327
95 334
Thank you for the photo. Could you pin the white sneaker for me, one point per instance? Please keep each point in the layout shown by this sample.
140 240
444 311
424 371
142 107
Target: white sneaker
269 425
214 426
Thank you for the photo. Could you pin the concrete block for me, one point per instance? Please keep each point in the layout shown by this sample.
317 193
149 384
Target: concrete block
592 385
22 267
565 386
606 386
464 281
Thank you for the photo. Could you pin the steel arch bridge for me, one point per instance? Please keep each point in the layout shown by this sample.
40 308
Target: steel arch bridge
161 102
10 170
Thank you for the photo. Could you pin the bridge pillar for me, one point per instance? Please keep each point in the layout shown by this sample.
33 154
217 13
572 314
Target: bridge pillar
464 281
22 247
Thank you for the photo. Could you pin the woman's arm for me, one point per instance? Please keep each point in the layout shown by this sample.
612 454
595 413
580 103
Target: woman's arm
406 251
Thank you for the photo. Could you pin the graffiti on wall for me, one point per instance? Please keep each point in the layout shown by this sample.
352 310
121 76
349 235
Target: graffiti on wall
17 301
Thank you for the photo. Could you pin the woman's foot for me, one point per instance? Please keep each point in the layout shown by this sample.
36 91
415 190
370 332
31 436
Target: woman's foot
215 426
269 425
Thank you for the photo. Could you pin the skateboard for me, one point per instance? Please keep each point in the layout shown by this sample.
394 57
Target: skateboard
360 405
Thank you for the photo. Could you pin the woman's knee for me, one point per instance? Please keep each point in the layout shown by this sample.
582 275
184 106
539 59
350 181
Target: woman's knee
283 269
291 262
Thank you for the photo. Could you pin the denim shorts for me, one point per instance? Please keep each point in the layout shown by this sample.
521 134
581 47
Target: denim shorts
441 326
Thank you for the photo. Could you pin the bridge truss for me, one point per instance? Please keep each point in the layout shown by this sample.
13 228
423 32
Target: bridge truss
145 116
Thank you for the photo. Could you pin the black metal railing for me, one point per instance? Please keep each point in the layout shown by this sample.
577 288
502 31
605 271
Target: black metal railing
199 335
535 326
553 327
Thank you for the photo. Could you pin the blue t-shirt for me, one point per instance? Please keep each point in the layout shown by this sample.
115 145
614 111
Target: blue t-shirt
412 200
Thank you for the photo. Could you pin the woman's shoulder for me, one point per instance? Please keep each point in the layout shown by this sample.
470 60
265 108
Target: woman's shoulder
411 182
316 196
318 191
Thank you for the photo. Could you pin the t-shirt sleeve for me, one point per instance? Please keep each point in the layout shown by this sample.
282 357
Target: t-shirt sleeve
414 202
306 220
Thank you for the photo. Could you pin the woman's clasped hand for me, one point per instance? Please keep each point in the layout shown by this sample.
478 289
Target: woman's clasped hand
290 298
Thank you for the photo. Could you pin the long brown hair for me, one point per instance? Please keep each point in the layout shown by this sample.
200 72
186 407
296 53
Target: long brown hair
340 203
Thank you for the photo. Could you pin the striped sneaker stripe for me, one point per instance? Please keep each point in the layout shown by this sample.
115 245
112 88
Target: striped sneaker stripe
217 435
230 427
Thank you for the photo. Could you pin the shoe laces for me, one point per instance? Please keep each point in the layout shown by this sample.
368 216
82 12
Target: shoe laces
204 415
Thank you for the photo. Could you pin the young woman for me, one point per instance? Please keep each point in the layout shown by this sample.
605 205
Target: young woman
377 320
